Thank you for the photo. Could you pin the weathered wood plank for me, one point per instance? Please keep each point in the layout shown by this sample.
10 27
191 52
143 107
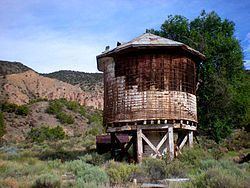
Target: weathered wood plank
139 145
176 180
183 142
171 143
190 139
150 185
162 141
150 127
150 144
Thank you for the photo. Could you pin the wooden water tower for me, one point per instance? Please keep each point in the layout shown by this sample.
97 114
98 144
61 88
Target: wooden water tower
150 95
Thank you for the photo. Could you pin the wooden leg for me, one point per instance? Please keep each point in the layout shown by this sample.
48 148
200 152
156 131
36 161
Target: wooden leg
180 146
139 145
135 148
171 143
190 139
113 145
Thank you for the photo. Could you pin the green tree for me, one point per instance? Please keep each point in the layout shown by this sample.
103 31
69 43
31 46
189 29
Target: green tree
222 94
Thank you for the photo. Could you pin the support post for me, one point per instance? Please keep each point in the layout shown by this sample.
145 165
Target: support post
171 142
139 145
113 145
190 139
135 147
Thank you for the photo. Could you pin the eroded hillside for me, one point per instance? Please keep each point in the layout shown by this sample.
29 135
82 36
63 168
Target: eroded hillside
23 87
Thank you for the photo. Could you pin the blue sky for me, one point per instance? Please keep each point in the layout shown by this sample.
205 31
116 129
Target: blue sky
51 35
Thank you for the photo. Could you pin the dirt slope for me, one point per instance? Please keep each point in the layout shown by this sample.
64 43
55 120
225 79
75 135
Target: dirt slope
23 87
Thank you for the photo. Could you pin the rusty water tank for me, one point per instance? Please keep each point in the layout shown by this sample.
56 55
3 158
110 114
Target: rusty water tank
149 78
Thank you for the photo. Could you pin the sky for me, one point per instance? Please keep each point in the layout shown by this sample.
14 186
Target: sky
52 35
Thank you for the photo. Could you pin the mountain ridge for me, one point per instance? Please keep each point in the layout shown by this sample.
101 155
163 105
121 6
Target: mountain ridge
21 84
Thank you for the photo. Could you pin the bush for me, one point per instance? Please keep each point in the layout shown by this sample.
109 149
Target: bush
72 105
10 108
217 177
94 129
176 169
75 166
155 168
2 126
240 139
37 100
120 172
22 110
89 141
222 173
13 108
48 181
46 133
193 156
54 107
95 158
86 172
82 111
96 117
93 174
65 118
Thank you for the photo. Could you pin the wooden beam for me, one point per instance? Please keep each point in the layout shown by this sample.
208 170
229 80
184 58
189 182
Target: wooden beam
139 145
183 142
129 144
190 139
150 127
150 144
171 143
162 141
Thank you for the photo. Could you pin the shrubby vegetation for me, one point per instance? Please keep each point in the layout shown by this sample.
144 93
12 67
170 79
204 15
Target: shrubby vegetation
13 108
72 105
37 100
96 159
120 173
65 118
33 164
95 123
95 117
213 173
95 127
47 180
2 126
155 168
46 133
56 108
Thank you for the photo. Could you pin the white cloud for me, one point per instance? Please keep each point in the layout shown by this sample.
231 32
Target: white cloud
247 64
49 52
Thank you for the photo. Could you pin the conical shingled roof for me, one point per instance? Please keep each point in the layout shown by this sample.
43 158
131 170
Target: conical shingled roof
149 39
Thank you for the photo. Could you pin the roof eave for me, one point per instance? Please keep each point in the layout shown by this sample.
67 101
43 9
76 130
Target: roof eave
183 46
